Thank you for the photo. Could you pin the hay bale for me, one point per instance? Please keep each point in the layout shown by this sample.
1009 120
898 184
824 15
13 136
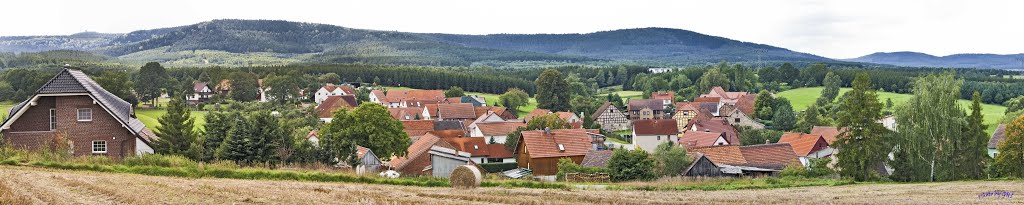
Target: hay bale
466 176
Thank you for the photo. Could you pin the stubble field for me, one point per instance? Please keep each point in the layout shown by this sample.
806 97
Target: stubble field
23 185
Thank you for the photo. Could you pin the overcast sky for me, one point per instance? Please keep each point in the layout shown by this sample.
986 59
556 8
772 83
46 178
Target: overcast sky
835 29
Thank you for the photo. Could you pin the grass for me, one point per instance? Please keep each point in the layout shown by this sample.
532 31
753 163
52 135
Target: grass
803 97
716 184
6 105
151 117
626 94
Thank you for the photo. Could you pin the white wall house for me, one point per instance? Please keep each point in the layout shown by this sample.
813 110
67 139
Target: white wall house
648 134
327 91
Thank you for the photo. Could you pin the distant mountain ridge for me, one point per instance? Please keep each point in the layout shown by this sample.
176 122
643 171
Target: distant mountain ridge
275 42
322 43
916 59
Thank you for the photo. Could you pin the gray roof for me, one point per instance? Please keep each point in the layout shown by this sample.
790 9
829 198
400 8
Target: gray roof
597 158
449 125
646 103
997 137
74 81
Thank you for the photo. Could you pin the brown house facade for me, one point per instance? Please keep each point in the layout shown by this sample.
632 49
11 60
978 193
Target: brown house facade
72 109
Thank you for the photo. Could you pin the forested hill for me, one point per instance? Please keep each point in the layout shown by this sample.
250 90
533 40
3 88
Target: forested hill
283 41
915 59
651 44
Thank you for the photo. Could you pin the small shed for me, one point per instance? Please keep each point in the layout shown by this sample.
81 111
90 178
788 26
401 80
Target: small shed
444 160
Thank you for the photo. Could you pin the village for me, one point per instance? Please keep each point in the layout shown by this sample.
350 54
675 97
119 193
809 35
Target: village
445 132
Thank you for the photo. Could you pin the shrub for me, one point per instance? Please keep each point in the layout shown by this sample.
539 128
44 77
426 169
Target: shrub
630 165
566 166
498 167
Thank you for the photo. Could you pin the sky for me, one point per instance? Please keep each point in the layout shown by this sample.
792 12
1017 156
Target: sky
830 28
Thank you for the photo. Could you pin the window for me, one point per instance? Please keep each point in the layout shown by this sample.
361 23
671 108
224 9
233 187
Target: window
99 146
53 119
737 120
659 137
85 114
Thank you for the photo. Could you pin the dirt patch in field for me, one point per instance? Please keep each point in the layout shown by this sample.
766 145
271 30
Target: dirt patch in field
44 186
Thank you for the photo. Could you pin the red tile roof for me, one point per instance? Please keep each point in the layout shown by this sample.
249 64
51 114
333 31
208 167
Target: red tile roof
746 104
772 156
716 125
418 127
727 155
498 151
699 138
404 95
707 99
499 128
719 92
444 134
687 106
829 133
536 113
406 113
332 103
456 111
542 145
500 111
664 95
431 109
655 127
597 158
476 146
803 144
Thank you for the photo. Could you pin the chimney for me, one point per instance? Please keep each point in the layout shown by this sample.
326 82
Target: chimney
547 130
67 66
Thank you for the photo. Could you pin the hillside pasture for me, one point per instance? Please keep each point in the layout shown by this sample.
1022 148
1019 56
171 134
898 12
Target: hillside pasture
800 98
151 117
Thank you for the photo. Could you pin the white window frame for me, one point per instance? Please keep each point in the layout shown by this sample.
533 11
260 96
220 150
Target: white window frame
52 119
79 114
96 143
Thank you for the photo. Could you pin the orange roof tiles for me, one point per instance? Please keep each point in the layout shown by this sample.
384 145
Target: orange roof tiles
829 133
699 138
456 111
499 128
332 103
418 127
772 156
542 145
803 144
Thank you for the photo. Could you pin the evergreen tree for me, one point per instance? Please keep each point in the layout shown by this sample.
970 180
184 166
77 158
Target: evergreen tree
974 155
600 78
237 146
216 129
176 131
610 79
268 139
552 91
621 75
862 139
784 119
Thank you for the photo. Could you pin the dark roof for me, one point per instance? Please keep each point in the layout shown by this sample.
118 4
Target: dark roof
198 87
449 125
74 81
997 137
648 103
655 127
597 158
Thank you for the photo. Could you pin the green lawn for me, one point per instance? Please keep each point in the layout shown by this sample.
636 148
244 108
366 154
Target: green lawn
4 106
803 97
626 94
151 117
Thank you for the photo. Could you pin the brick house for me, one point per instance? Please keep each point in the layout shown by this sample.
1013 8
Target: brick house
73 106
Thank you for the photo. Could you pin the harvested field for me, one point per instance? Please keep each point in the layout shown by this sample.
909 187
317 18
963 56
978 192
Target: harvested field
45 186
